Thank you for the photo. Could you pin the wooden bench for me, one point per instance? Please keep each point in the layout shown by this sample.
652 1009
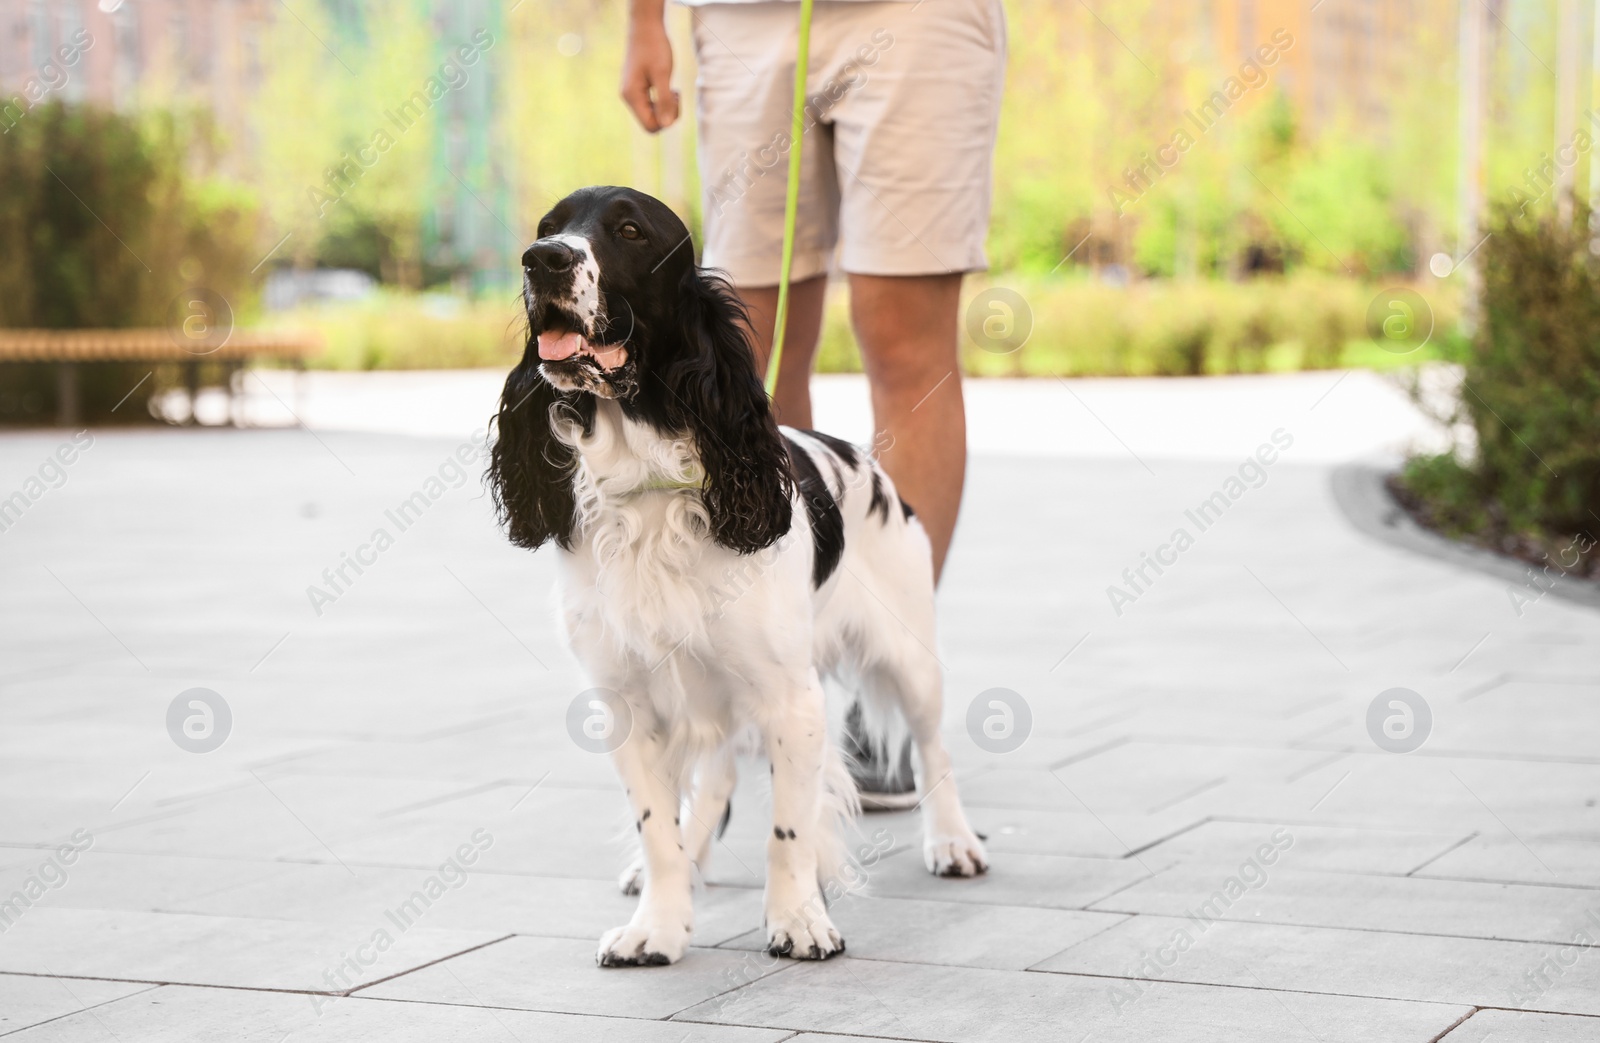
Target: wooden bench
69 350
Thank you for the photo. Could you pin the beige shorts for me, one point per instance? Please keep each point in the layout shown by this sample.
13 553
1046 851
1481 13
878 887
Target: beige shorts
896 164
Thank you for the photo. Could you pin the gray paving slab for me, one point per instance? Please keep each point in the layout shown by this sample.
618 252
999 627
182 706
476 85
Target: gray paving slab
1486 795
1144 779
1047 881
1535 719
1506 1026
1528 856
967 1005
222 950
109 879
181 1014
1335 848
1080 833
308 892
34 999
818 1037
285 816
560 974
1076 832
1449 908
999 937
1389 965
1103 721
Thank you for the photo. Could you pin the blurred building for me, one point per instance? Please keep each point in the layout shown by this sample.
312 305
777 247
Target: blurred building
138 50
128 53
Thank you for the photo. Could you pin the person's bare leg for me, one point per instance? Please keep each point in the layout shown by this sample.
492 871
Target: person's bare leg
804 330
907 327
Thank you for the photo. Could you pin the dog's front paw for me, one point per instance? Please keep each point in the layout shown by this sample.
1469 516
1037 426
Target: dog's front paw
643 944
803 938
632 877
961 854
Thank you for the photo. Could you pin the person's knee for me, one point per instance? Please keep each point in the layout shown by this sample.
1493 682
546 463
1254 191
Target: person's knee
907 368
907 328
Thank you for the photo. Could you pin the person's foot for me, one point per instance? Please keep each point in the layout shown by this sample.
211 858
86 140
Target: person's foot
884 785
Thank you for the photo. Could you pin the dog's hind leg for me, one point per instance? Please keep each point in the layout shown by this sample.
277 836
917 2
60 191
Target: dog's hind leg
892 621
712 804
949 845
708 812
661 925
632 878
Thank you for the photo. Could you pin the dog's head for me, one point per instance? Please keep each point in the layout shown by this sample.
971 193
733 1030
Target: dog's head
617 309
603 256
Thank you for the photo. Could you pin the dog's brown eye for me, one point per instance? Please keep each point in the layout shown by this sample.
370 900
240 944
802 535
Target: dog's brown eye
629 230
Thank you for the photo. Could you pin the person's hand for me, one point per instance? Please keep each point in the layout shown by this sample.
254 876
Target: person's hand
647 69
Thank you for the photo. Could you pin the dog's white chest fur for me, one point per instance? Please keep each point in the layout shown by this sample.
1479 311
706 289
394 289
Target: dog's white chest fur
642 566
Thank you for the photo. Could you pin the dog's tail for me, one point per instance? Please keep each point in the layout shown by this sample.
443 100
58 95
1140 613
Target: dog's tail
873 735
840 806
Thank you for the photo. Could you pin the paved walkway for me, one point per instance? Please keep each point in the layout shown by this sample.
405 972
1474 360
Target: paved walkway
1200 839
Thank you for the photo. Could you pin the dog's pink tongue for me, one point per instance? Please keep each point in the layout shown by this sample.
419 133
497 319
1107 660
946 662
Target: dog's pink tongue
553 346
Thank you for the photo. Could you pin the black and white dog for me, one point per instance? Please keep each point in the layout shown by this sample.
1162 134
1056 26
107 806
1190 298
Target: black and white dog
635 434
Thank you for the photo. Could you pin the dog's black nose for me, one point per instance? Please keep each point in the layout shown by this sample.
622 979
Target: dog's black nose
552 256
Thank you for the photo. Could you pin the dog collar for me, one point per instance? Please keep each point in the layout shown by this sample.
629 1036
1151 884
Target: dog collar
666 485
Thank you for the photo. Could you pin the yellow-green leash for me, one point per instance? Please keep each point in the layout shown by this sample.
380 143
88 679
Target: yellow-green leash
791 202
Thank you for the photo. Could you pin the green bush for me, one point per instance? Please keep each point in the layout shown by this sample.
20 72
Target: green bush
1531 393
105 221
1188 327
103 224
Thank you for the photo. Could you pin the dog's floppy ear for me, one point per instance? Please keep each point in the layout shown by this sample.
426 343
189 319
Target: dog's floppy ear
530 470
714 393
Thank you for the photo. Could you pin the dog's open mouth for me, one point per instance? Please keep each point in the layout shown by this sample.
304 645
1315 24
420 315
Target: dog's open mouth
562 345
